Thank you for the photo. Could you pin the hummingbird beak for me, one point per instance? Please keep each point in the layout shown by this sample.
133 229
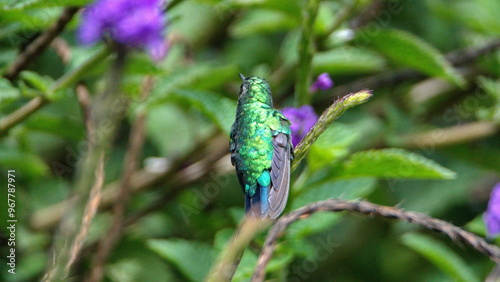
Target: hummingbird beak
242 76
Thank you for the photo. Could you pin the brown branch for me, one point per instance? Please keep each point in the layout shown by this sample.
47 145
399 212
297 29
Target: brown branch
62 48
363 207
90 211
448 136
377 81
185 170
82 93
215 152
40 43
132 156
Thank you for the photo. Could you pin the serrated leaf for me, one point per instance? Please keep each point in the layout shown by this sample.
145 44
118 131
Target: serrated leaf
193 259
406 49
262 21
393 163
347 60
331 146
441 256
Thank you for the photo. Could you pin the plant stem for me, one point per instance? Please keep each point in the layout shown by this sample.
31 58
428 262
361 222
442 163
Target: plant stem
75 75
306 52
225 267
326 118
40 43
38 102
108 110
21 114
364 207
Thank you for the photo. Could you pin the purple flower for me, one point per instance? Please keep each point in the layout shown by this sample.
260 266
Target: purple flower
323 82
137 24
302 120
492 215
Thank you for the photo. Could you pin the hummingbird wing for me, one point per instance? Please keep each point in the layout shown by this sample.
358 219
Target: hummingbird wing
280 174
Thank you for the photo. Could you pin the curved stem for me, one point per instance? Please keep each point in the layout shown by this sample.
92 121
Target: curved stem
450 230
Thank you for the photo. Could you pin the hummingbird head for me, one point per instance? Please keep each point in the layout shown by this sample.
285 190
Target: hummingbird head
255 89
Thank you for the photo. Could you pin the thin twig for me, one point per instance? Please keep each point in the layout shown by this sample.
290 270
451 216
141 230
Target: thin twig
185 171
88 215
448 136
40 43
21 114
62 48
363 207
196 171
384 79
109 241
82 93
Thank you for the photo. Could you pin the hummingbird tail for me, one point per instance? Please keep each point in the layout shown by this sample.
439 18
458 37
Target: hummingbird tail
258 204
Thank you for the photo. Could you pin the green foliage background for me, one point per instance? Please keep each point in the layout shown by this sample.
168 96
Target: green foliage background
415 144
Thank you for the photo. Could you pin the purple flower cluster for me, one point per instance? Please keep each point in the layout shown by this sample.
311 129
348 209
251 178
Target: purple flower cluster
137 24
492 215
302 120
323 82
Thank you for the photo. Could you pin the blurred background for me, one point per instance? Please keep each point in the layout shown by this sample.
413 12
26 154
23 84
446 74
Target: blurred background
434 70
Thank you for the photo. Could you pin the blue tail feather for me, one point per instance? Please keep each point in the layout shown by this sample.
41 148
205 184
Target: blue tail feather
258 204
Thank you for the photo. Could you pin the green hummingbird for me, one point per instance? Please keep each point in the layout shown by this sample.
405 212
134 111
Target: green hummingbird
261 149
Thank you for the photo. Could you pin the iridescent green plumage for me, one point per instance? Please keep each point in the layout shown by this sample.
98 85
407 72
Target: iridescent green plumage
261 149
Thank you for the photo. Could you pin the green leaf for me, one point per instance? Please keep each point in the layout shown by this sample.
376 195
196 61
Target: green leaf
28 164
30 4
193 259
133 261
441 256
331 146
219 109
408 50
53 124
492 87
393 163
347 60
8 92
262 21
200 76
477 225
37 81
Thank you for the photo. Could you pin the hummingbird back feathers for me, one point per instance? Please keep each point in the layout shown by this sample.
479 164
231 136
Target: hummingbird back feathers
261 150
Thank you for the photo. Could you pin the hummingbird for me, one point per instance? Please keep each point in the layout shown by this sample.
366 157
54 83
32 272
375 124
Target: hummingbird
261 149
